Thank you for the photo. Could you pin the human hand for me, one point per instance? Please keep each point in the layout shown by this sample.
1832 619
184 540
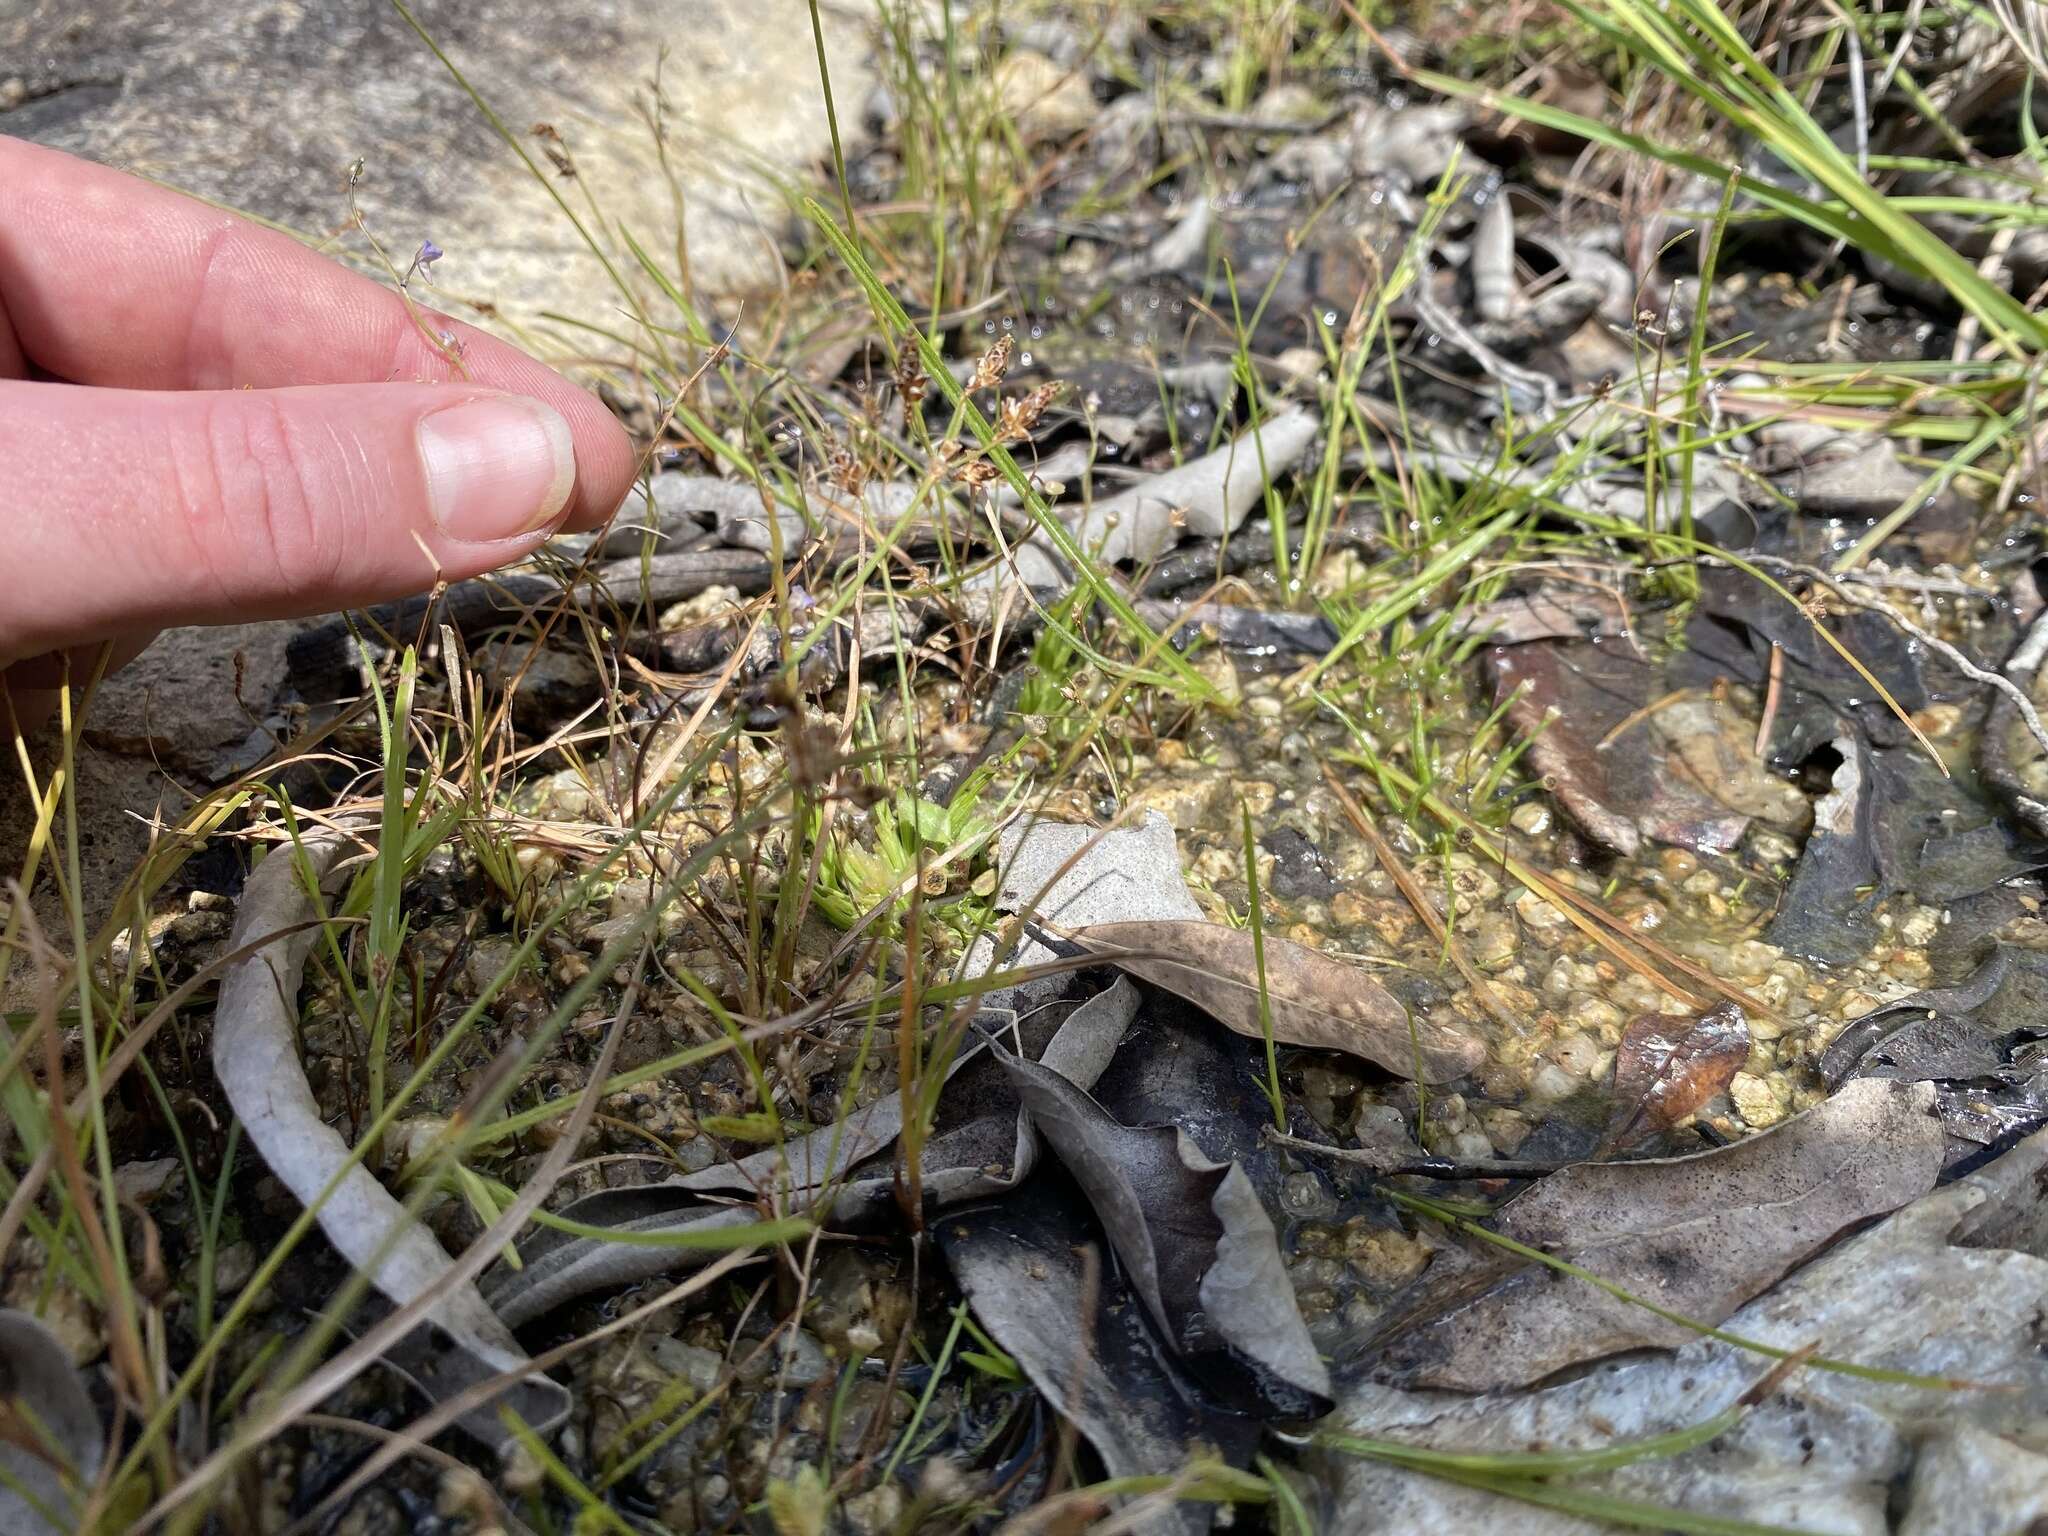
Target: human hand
202 421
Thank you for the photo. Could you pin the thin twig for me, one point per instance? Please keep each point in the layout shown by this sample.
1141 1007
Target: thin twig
2015 695
1389 1161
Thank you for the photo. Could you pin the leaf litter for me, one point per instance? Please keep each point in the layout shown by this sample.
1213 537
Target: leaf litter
1297 477
1696 1236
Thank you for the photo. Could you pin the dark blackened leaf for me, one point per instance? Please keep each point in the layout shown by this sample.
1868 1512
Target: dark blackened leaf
1828 911
1845 1053
1314 1001
1195 1245
1666 1068
1024 1268
1977 1042
1934 837
1734 627
1697 1236
1261 632
1938 1048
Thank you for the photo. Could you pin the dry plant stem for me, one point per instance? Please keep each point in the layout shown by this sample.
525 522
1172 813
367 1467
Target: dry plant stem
1419 900
1589 917
124 1343
876 1434
910 1144
416 1435
372 1344
1773 691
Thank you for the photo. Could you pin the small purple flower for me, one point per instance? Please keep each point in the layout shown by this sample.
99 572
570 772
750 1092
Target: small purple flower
422 263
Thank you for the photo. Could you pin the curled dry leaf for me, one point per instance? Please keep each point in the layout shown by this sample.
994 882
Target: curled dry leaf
50 1437
1208 496
256 1059
1313 1000
1666 1068
1195 1244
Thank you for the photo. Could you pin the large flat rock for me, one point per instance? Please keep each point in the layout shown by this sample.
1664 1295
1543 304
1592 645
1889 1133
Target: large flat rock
263 105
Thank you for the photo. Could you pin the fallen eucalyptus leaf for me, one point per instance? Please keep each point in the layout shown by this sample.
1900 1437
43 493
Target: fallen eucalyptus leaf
1072 874
1666 1069
1950 1287
1195 1244
50 1437
1587 710
256 1059
1697 1236
1313 1001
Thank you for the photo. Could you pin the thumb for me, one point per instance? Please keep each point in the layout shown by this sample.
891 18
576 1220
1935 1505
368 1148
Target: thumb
135 510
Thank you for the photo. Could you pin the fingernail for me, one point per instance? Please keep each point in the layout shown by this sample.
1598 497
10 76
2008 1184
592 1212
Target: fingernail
496 468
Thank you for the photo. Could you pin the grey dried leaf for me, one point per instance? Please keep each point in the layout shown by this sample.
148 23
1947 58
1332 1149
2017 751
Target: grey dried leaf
256 1059
1698 1236
1314 1001
50 1437
1951 1286
1493 260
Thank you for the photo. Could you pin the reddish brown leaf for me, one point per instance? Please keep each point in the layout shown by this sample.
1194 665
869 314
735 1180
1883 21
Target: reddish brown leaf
1312 1000
1666 1068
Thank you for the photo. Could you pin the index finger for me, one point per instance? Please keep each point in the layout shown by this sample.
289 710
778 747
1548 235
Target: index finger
111 281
